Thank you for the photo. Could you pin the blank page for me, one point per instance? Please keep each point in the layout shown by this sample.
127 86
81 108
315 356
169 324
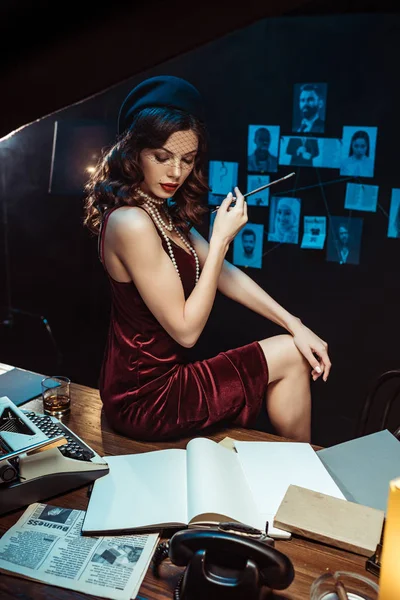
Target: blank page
216 484
141 490
270 467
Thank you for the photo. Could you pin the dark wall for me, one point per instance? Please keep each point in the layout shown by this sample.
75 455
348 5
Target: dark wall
52 56
246 77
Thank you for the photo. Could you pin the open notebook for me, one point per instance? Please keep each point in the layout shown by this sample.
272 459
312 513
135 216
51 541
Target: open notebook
202 486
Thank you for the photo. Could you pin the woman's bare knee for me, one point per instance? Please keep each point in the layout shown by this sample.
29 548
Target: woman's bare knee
283 357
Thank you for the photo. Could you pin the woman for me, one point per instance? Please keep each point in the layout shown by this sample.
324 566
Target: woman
286 226
359 162
164 276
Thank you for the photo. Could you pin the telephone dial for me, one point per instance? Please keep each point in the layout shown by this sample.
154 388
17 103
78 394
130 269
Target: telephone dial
227 563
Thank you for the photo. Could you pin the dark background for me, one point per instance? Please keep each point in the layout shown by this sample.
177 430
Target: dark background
246 77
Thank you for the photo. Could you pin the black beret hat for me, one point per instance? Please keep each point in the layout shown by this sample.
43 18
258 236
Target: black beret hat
164 90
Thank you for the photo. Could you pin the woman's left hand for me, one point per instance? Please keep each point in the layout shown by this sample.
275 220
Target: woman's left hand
314 349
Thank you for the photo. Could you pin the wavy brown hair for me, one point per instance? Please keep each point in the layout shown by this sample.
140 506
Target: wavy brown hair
118 172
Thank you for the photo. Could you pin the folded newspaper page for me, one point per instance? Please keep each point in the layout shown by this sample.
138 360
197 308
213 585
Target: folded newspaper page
46 545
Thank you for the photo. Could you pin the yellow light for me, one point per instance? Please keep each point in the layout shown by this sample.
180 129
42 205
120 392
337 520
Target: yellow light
90 169
389 580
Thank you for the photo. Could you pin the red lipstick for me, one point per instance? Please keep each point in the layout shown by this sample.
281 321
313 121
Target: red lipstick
169 187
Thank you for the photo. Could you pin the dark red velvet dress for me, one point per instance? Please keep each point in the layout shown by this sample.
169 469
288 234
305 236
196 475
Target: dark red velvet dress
149 390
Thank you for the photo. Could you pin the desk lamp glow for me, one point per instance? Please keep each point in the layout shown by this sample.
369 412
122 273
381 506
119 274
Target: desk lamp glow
389 581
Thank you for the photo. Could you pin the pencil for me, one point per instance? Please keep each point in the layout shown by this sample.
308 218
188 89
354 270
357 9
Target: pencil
263 187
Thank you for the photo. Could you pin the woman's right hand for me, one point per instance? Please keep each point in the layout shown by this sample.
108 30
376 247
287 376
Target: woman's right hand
230 219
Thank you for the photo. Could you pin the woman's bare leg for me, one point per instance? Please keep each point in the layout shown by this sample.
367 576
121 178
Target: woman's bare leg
288 394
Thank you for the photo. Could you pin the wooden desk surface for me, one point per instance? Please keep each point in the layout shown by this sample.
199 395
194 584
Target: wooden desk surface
310 559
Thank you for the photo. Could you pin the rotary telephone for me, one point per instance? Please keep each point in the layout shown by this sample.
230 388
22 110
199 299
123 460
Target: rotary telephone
229 563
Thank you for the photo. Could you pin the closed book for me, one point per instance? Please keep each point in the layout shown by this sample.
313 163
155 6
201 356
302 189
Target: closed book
330 520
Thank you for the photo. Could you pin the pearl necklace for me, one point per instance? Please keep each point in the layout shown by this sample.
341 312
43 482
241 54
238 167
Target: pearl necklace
151 205
143 194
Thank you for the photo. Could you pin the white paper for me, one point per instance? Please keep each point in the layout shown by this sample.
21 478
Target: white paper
270 468
141 490
216 484
314 232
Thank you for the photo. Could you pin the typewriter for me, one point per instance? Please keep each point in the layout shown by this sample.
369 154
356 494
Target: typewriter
41 457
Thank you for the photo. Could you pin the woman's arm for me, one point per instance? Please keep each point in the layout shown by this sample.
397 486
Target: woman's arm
238 286
132 242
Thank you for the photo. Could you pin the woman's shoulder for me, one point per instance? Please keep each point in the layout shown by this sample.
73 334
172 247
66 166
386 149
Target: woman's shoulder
128 221
130 218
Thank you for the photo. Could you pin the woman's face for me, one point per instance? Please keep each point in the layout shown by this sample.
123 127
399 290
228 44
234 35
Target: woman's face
165 169
359 147
284 216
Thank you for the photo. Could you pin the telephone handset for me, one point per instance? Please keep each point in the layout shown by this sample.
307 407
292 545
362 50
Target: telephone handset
224 565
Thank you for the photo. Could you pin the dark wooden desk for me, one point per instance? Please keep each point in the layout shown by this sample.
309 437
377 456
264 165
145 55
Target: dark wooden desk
310 559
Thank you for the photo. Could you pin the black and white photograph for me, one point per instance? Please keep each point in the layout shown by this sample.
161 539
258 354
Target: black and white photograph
344 240
253 183
310 152
113 553
358 151
284 220
314 233
298 151
394 215
309 107
248 246
222 178
360 196
262 148
55 514
330 150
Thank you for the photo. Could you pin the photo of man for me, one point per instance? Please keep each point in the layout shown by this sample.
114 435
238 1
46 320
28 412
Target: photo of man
309 104
298 151
262 148
344 240
259 198
248 246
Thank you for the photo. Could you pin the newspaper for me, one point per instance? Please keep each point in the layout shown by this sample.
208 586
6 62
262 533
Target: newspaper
46 545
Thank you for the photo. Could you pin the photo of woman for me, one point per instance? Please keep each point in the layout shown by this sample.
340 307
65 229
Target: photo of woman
358 154
284 220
